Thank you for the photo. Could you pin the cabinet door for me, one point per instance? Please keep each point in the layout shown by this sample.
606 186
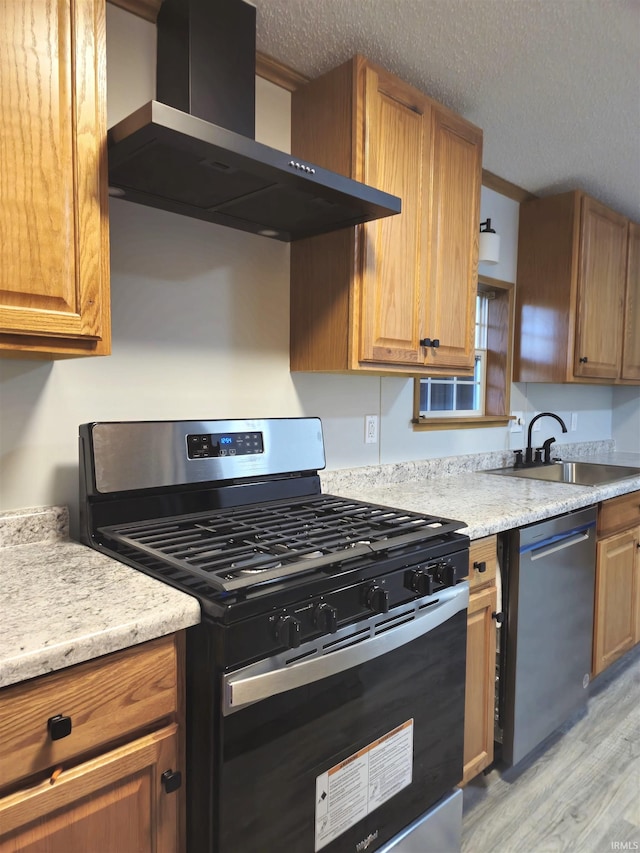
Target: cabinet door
480 683
108 699
631 334
455 226
397 150
53 210
114 803
601 285
616 595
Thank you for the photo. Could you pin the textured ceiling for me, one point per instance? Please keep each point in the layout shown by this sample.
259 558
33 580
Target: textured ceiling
554 84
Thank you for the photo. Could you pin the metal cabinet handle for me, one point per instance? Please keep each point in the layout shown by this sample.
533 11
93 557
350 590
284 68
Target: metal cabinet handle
480 566
583 360
430 342
171 780
59 726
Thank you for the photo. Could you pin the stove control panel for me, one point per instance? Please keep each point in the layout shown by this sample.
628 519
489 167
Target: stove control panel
373 590
219 444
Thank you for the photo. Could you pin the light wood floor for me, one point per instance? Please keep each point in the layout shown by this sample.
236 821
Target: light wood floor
579 791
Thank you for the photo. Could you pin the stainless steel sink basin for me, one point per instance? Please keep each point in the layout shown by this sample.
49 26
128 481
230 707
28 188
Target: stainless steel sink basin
577 473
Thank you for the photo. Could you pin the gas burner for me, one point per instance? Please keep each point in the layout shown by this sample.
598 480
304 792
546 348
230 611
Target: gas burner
255 571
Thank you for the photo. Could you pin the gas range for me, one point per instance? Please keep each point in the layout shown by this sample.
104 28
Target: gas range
329 626
257 533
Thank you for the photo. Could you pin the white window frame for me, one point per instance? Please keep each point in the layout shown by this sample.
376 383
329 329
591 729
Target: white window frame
478 379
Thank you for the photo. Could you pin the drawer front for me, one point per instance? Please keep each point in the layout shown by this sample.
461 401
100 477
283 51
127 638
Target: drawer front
619 513
107 699
482 562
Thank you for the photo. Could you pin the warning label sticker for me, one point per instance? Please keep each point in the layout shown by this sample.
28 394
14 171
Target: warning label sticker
356 786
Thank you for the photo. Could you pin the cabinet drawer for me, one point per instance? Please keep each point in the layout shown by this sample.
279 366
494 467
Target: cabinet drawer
117 797
482 562
619 513
107 699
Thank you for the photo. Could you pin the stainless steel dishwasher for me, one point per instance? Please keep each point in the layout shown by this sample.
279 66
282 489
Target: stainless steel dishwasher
545 655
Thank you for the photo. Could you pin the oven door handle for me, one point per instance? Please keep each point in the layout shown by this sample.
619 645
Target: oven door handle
242 688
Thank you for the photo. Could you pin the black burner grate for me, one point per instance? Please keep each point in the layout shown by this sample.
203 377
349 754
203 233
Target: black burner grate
239 547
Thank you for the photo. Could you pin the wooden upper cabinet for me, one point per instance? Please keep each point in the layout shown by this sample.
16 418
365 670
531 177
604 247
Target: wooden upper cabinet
631 329
54 254
366 298
601 283
570 295
455 226
397 156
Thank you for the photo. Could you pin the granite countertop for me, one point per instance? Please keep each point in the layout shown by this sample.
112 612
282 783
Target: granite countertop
485 502
63 603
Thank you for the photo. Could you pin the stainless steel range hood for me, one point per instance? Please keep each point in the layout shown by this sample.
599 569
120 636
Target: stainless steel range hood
192 151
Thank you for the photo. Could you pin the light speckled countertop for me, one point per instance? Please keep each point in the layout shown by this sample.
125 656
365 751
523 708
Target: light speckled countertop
485 502
63 603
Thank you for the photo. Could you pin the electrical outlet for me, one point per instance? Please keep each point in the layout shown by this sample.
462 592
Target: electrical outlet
517 424
371 429
574 421
536 426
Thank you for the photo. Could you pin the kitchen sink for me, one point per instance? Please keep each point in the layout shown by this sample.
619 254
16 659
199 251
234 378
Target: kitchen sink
577 473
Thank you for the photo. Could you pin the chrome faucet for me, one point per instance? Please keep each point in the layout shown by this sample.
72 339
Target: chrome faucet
546 447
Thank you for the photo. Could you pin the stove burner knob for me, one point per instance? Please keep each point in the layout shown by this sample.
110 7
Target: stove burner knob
377 599
288 632
445 574
419 582
325 617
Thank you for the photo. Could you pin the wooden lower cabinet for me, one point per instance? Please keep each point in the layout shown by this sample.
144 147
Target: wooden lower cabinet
616 627
114 803
481 658
111 782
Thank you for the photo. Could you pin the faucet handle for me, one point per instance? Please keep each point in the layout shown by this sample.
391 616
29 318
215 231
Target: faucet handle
546 446
538 456
518 463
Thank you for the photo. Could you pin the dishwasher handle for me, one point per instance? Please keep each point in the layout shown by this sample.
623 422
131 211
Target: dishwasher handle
250 685
559 541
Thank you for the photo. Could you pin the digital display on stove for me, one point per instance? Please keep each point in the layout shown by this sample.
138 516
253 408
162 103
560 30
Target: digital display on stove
220 444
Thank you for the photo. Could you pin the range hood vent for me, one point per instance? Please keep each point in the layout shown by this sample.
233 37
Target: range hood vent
192 151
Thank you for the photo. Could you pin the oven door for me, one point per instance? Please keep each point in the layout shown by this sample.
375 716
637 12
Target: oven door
341 748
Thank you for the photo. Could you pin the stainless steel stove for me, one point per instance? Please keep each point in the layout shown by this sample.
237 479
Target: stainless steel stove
331 629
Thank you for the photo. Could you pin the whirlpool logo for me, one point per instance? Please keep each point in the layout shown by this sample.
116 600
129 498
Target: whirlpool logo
363 845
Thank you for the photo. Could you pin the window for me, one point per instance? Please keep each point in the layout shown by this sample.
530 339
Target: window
480 398
459 396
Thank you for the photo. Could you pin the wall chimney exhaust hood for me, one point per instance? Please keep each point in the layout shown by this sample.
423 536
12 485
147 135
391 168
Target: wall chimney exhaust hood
193 151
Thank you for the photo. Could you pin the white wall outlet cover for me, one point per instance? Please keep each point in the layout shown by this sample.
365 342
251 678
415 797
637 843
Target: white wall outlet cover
517 422
370 429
